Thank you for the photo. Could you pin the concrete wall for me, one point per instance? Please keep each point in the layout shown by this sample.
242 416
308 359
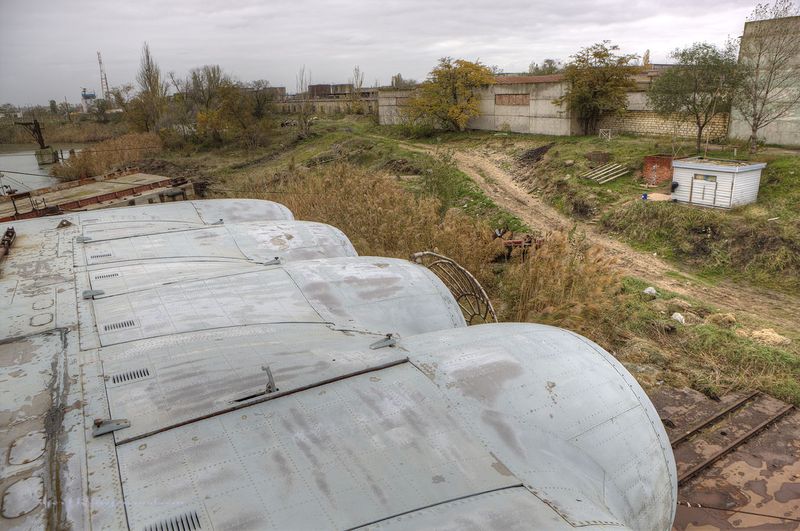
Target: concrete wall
529 108
328 105
785 130
521 108
389 104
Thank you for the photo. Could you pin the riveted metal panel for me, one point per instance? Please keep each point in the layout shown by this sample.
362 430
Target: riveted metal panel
541 397
109 230
511 509
291 241
118 279
333 457
251 298
378 294
209 242
197 374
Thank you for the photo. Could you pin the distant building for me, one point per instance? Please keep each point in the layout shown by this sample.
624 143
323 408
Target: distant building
525 104
785 130
87 99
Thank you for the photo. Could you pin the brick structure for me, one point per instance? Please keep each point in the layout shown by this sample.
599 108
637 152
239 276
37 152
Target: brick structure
657 169
644 122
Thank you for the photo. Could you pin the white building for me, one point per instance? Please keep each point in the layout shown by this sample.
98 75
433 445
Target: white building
715 183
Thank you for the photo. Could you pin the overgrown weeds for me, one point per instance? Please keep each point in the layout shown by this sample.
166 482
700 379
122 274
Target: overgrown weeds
566 283
716 242
107 155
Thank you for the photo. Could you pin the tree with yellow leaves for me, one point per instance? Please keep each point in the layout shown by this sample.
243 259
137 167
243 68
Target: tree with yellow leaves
448 98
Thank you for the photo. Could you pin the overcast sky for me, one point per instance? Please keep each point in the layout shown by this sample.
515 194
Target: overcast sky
48 47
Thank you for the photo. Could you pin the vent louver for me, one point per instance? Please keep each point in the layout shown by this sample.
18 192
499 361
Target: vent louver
119 326
106 275
129 376
100 255
184 522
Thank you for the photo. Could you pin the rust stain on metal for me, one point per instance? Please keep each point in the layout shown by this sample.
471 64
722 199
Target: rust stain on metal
739 458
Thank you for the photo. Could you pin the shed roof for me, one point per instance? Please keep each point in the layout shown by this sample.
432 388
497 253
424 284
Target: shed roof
719 165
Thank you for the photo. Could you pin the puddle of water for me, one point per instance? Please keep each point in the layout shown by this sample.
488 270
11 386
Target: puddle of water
21 158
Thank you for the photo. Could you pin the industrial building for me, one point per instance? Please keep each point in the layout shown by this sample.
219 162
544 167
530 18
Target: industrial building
785 130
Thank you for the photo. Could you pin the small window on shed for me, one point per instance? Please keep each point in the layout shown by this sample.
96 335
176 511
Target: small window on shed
701 177
512 99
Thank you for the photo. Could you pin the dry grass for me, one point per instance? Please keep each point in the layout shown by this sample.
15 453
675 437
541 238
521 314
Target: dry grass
378 214
107 155
567 283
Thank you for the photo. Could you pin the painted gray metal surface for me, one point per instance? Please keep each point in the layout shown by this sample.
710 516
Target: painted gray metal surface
447 427
541 397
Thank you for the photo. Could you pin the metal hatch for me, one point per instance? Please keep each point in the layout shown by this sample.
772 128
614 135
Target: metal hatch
126 278
331 457
182 378
206 242
267 296
107 230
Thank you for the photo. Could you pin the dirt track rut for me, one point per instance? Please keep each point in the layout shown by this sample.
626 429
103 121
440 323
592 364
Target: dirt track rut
771 308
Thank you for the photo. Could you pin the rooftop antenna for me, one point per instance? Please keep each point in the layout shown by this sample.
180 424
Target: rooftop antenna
103 79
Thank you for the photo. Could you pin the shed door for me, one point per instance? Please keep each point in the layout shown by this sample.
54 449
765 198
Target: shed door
704 189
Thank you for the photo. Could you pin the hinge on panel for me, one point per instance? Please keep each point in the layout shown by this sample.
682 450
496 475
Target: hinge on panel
274 261
92 293
103 426
270 380
389 341
269 389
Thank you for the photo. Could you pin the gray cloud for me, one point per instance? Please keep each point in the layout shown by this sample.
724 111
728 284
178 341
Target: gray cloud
47 48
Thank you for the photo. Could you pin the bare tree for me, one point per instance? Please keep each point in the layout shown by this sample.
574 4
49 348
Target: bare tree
399 83
769 58
305 108
355 94
152 90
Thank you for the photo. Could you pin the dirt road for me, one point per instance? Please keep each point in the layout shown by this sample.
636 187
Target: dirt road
770 308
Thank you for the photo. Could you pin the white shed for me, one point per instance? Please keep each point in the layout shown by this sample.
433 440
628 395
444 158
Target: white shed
715 183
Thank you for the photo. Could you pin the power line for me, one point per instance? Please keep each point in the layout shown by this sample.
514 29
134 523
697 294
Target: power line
234 190
25 173
85 150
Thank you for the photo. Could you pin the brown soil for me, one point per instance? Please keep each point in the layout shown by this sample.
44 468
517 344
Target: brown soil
779 309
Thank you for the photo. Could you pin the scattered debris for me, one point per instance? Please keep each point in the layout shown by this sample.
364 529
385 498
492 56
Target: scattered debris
402 167
678 305
534 155
569 163
606 173
723 320
601 157
650 290
679 318
768 336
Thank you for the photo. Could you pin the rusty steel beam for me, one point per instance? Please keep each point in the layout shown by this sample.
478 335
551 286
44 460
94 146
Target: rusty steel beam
711 420
690 473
